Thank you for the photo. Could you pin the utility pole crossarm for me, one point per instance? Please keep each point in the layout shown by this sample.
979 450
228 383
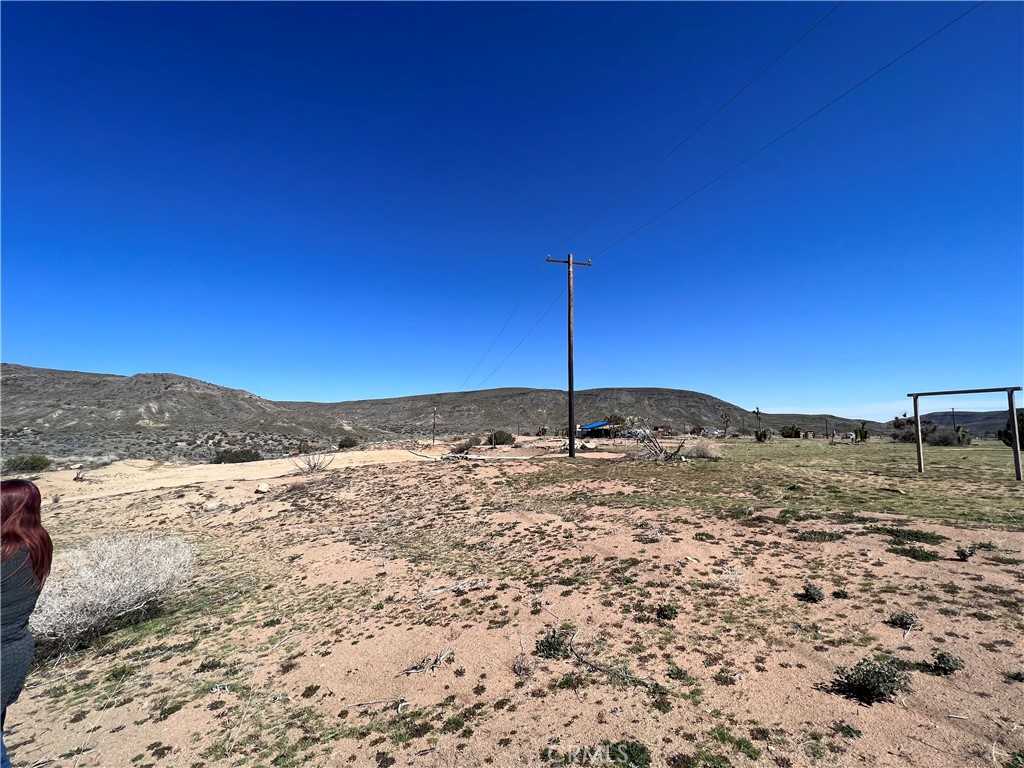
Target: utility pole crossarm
570 260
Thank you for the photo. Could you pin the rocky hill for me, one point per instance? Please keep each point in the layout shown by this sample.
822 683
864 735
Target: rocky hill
46 400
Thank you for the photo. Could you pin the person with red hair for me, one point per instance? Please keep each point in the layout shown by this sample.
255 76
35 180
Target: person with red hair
25 555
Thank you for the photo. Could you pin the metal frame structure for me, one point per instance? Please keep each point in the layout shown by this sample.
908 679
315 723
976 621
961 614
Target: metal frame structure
1014 436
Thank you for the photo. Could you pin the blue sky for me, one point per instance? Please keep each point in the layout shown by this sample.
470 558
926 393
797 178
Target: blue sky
328 202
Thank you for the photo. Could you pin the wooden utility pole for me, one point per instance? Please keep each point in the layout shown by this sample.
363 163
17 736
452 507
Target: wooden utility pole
954 418
572 392
433 427
1014 433
917 431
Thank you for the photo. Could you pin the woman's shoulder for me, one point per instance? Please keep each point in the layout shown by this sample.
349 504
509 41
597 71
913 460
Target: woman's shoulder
15 562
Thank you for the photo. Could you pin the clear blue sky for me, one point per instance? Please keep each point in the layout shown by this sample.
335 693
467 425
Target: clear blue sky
337 201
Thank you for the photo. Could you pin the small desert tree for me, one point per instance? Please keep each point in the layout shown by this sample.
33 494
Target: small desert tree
501 437
724 417
862 432
790 430
1006 435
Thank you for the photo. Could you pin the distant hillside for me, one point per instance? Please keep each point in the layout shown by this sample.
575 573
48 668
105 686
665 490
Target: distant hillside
48 400
978 423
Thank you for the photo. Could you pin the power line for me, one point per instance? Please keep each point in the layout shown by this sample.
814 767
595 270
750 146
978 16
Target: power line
529 332
728 102
491 346
795 127
775 140
757 76
721 108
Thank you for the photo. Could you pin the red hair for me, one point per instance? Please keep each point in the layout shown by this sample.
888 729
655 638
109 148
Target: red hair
21 525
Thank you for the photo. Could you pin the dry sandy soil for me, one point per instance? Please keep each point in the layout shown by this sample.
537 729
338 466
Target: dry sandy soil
567 604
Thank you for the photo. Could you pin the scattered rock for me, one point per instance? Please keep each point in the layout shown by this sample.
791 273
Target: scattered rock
263 488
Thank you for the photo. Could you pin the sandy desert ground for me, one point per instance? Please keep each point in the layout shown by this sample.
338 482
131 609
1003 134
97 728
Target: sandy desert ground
401 611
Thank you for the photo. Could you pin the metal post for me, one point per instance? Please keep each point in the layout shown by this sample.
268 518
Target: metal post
1014 433
917 428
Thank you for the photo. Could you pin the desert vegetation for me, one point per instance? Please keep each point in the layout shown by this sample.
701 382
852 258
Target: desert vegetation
783 604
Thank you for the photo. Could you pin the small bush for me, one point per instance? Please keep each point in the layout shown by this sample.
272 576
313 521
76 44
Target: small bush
666 612
501 437
107 583
944 664
347 441
942 437
552 645
915 553
873 680
903 535
762 435
236 456
811 593
1006 435
31 463
965 553
463 446
819 536
703 449
791 430
903 620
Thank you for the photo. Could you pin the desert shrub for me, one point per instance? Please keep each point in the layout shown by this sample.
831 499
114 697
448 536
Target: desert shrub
666 612
903 535
811 593
703 449
347 441
965 553
944 664
942 437
107 583
501 437
1006 435
464 445
791 430
915 553
905 432
313 462
862 432
762 435
696 430
819 536
235 456
552 645
872 680
903 620
30 463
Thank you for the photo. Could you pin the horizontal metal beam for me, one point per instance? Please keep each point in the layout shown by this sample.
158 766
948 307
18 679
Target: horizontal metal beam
964 391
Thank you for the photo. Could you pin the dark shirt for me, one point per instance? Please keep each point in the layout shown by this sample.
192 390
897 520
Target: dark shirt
19 591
